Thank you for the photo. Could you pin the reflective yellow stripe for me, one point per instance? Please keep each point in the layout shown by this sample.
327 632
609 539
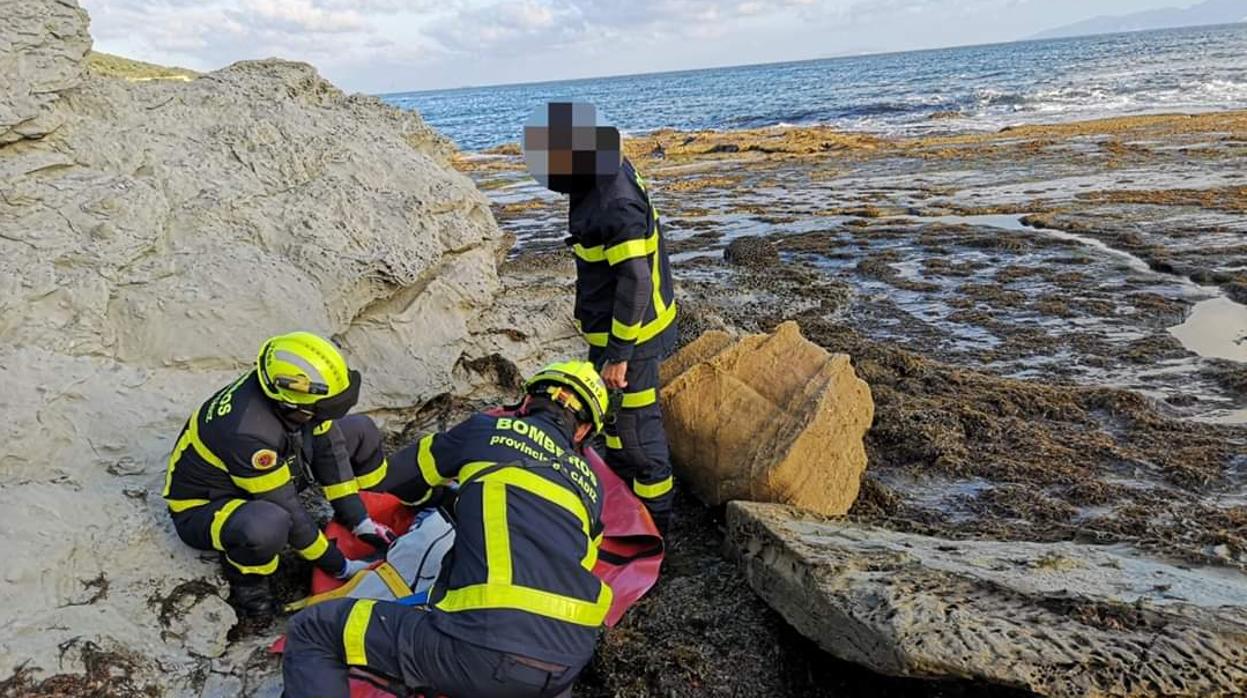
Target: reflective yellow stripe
200 447
642 398
315 549
267 482
656 280
632 249
183 442
627 333
614 443
589 254
340 490
656 327
497 535
354 631
338 593
591 555
374 477
657 489
189 439
322 428
529 482
177 505
428 464
541 487
267 568
469 470
648 331
498 592
542 603
219 517
427 496
393 580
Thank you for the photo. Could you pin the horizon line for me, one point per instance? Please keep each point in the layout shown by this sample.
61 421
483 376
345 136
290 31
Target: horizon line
794 61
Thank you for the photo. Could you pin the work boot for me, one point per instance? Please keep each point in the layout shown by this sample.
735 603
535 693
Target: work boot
251 596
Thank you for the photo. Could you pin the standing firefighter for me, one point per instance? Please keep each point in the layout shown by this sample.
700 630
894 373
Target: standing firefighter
516 610
236 469
625 304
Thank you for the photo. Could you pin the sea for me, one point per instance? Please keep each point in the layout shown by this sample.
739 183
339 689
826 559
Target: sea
971 88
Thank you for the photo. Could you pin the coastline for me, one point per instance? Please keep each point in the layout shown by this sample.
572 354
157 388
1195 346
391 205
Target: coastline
1018 302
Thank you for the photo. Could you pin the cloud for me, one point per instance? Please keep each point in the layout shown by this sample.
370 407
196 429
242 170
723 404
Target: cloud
303 16
397 44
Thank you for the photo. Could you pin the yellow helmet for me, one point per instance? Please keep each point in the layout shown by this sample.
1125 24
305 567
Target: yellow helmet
590 399
307 371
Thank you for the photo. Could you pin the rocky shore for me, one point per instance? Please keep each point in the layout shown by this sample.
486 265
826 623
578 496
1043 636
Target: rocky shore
1048 319
1050 322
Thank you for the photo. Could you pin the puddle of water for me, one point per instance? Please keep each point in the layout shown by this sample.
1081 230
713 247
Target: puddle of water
1216 328
1226 417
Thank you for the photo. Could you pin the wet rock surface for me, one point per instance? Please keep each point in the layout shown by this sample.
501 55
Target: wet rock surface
751 252
1020 340
1058 619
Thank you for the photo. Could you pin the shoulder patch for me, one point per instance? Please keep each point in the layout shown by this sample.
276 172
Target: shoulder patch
264 459
322 428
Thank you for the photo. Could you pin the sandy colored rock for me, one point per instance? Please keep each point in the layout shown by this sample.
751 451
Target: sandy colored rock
1061 619
42 45
770 418
205 626
152 233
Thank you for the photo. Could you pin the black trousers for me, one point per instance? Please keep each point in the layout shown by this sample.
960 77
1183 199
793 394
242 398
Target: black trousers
252 532
636 443
249 532
399 642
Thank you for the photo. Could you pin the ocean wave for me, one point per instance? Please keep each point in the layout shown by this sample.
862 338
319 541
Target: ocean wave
897 93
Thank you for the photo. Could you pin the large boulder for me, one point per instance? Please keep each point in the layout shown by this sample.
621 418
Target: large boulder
1062 619
42 45
771 418
148 243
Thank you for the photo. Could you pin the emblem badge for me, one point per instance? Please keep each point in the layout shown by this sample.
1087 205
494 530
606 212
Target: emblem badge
264 459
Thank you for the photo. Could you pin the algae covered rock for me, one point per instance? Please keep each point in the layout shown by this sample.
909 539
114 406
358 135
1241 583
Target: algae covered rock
767 418
751 251
1061 619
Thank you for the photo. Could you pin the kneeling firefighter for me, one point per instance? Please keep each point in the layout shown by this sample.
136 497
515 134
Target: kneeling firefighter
517 610
237 467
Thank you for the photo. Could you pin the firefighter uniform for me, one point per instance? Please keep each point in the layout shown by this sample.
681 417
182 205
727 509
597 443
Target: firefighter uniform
625 307
516 610
235 472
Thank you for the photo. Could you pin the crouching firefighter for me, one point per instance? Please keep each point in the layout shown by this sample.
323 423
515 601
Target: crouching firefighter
237 467
516 610
625 304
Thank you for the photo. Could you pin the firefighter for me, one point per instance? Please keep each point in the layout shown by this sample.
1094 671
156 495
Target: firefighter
516 610
236 468
625 305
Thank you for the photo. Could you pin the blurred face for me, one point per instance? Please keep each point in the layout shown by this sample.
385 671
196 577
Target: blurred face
568 149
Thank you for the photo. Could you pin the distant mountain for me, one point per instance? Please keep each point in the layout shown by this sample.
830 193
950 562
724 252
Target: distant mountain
1207 12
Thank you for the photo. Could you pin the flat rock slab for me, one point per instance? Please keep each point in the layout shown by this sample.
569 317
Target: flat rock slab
1061 619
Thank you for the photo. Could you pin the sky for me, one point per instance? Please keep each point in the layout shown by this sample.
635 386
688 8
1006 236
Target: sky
380 46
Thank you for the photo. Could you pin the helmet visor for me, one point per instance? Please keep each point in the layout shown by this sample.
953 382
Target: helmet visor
339 405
